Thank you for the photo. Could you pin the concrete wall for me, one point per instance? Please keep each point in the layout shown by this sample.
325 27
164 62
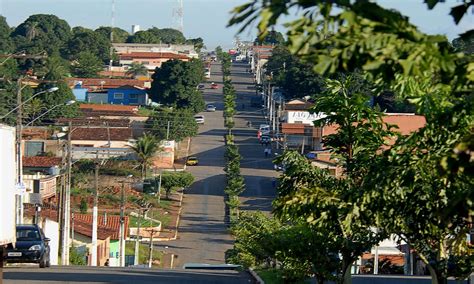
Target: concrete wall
51 231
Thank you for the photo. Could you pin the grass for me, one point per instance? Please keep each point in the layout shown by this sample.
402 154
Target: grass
142 252
144 223
270 276
157 215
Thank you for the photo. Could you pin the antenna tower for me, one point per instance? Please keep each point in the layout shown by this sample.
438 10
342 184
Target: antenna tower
178 16
112 24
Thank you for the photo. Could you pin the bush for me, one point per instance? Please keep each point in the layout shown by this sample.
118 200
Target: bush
83 206
76 257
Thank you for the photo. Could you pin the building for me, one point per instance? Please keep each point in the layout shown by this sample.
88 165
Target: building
186 49
127 95
135 29
108 235
40 174
150 60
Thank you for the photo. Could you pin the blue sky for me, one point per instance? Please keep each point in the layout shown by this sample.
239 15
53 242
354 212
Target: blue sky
202 18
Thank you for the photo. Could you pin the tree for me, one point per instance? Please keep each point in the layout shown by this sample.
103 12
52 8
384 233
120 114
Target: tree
168 36
145 148
197 42
119 36
465 42
295 77
40 33
88 41
87 65
272 38
175 124
174 84
387 48
137 69
6 44
144 37
83 206
172 180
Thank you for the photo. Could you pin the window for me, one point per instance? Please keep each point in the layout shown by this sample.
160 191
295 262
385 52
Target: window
134 96
145 62
118 96
34 148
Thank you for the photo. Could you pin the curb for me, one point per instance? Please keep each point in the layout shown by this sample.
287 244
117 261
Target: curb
255 276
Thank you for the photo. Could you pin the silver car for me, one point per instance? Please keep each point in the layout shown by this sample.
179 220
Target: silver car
211 108
199 119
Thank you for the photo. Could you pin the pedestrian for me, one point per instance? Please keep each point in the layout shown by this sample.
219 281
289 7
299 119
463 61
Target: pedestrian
106 262
265 151
269 151
274 183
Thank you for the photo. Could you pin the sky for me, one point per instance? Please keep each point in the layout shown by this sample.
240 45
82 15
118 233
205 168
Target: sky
203 18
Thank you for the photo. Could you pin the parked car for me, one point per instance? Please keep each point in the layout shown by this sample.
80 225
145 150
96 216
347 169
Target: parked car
192 161
211 108
264 129
201 86
214 85
199 119
31 246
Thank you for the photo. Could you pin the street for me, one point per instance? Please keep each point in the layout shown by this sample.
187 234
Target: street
203 235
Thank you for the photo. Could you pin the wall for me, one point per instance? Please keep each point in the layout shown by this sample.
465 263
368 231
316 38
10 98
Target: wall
114 253
51 231
303 117
97 98
80 94
127 100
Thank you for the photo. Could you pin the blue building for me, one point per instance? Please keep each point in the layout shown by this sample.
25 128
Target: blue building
127 95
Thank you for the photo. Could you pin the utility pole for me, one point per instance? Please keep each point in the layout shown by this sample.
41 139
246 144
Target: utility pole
19 155
168 130
67 201
122 227
95 213
150 249
137 239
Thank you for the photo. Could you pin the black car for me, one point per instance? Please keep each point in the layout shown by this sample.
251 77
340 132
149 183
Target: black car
31 246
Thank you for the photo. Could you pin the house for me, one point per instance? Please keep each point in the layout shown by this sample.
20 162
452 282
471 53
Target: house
186 49
95 90
150 60
102 142
116 112
127 95
108 235
40 175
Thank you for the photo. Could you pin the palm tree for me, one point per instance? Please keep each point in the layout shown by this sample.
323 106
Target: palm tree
137 69
145 148
31 30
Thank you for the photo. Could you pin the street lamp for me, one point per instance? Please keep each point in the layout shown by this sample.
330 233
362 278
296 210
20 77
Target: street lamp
68 103
50 90
122 223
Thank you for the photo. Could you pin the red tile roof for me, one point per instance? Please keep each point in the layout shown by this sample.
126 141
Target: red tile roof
105 83
106 107
407 123
151 55
108 226
102 134
41 162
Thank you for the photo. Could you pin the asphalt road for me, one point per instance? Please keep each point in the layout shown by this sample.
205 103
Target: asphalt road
203 235
84 274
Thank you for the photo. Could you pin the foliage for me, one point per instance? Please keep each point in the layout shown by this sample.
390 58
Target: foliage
272 38
76 257
6 44
295 77
83 206
393 55
181 124
40 33
136 69
198 43
90 42
145 148
156 35
87 65
119 36
174 84
143 252
172 181
465 42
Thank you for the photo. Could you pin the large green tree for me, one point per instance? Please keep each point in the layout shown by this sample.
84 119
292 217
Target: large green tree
144 37
174 84
176 124
86 65
119 35
6 44
88 41
393 54
41 33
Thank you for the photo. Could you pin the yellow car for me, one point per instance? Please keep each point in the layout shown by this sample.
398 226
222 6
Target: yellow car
192 161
